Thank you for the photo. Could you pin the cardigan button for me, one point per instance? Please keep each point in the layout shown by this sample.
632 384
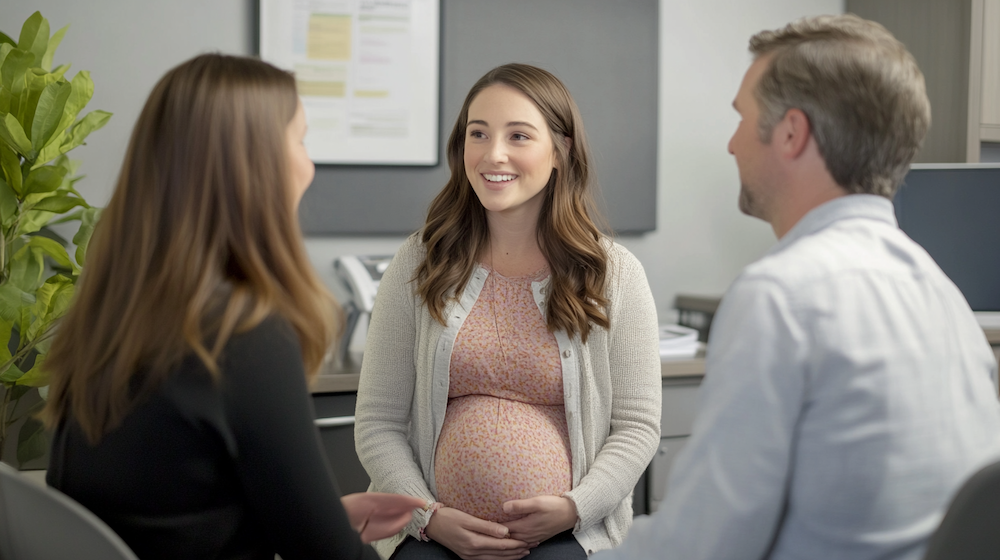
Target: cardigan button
567 353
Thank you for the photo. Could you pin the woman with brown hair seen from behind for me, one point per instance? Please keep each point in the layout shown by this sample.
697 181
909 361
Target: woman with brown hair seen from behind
178 393
511 375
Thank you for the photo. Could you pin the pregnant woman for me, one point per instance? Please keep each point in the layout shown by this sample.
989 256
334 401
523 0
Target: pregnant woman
511 371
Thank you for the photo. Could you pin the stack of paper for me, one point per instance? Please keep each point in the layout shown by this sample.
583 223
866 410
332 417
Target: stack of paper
988 319
677 341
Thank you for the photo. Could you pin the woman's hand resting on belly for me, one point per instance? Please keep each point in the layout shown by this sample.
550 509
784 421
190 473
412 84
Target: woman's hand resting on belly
543 517
472 538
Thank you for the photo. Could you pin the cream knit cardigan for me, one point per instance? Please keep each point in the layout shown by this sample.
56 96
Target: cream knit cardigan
611 384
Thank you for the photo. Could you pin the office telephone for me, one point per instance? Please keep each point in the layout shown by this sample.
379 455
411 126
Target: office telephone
359 276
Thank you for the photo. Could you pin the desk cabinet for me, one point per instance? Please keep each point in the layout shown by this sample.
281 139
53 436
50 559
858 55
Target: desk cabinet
335 420
680 404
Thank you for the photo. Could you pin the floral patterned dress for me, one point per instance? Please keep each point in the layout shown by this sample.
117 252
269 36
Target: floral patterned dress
505 435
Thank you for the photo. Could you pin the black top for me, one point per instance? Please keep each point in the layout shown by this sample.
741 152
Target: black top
206 470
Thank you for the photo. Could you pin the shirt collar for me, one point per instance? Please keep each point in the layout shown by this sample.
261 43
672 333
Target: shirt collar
852 206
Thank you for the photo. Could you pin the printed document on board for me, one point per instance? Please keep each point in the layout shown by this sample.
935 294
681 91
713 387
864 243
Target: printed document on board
367 72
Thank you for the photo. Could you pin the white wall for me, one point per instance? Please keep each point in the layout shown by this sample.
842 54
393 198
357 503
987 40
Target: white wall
702 241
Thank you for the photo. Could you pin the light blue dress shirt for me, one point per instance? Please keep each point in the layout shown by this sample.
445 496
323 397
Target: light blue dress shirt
849 392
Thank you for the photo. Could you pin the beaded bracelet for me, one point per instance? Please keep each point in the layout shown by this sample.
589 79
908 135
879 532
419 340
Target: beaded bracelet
430 508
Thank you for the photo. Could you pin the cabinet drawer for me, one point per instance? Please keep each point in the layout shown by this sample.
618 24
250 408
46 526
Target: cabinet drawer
680 403
659 469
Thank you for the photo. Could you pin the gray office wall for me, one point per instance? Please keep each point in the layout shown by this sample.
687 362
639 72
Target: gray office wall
607 55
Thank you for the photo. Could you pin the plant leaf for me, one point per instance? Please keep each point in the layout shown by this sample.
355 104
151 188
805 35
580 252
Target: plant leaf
50 49
14 68
31 440
5 95
60 71
8 204
71 217
11 374
52 301
31 221
93 121
12 300
48 112
26 269
12 133
44 179
82 91
70 165
6 40
37 80
18 392
51 248
42 311
51 150
48 232
5 50
20 89
88 221
59 204
11 164
6 328
35 35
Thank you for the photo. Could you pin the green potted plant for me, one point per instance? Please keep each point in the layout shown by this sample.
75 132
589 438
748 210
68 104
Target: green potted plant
39 123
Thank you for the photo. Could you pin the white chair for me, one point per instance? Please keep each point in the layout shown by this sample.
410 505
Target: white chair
970 529
41 523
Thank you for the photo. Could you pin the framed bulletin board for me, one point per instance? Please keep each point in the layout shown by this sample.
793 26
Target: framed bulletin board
367 72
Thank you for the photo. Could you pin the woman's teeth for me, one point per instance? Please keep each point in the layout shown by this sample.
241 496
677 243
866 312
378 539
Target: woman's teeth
498 178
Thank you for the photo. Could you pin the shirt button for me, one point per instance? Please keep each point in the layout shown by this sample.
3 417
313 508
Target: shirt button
567 353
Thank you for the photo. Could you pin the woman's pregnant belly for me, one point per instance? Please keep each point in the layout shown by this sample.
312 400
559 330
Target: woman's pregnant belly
493 450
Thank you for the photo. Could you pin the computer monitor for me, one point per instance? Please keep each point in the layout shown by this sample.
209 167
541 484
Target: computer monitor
953 211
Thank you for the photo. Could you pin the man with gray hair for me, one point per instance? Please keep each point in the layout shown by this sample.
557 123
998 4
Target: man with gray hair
849 390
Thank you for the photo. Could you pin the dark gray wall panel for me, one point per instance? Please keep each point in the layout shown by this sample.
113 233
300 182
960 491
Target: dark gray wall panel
605 52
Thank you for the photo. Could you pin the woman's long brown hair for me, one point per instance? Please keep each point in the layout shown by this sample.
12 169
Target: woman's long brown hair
456 233
199 241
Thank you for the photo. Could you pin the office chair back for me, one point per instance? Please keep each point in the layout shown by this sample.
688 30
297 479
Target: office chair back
41 523
970 529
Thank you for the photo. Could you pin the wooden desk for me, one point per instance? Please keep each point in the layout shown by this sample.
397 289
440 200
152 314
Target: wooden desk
335 383
344 379
993 336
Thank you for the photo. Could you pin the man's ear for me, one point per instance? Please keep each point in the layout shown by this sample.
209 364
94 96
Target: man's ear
792 133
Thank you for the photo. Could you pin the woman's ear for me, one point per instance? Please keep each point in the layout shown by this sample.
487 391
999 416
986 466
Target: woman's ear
568 143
